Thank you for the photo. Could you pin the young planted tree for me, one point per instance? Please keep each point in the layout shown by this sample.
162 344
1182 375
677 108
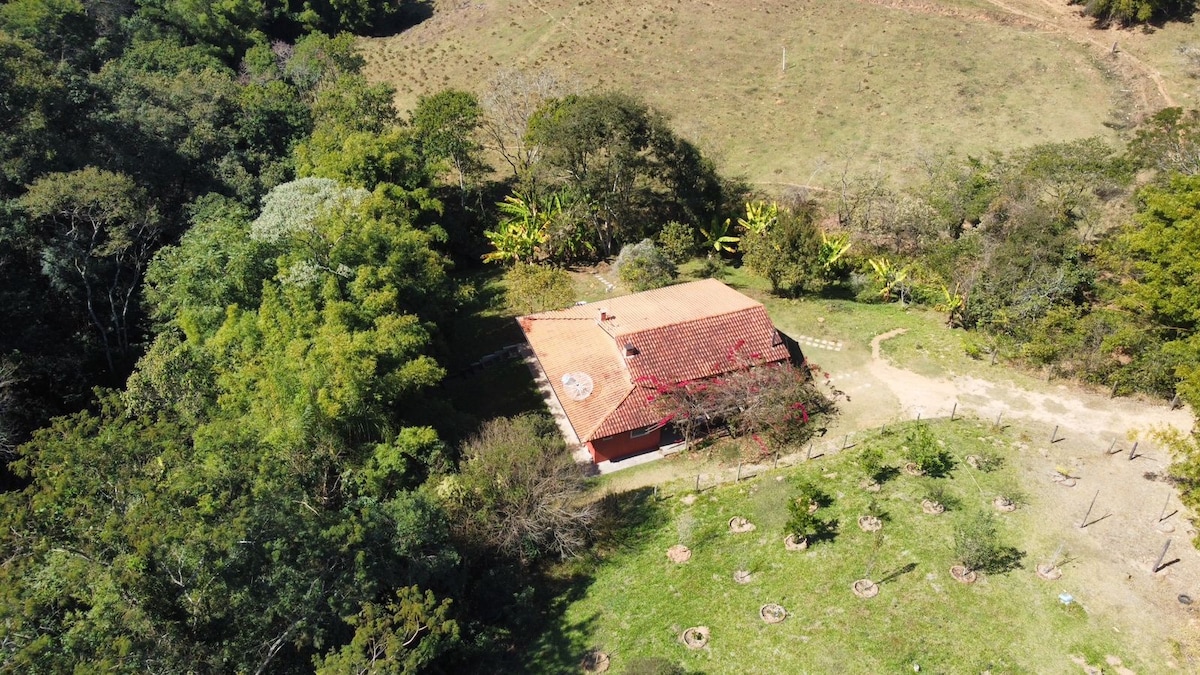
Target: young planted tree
936 496
925 454
870 462
978 547
803 525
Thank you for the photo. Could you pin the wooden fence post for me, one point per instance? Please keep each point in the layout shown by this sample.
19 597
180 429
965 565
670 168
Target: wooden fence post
1158 563
1084 522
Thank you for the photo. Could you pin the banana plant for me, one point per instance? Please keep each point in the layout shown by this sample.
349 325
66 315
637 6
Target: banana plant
832 250
953 304
718 239
524 229
890 276
760 217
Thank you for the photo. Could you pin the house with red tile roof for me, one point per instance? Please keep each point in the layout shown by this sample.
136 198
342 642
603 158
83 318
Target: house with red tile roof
601 359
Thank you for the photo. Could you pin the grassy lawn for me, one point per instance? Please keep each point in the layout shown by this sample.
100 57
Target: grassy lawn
634 603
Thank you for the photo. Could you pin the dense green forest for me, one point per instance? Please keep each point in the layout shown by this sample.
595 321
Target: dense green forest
234 278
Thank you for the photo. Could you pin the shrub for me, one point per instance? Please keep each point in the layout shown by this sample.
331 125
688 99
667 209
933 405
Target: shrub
643 266
924 451
870 460
977 545
803 523
519 491
974 347
535 288
712 267
677 241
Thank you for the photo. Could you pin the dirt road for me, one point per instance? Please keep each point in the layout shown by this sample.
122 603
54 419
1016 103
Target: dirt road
1069 407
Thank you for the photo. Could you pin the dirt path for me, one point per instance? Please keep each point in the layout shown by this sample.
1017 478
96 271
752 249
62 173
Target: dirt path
1067 20
1068 407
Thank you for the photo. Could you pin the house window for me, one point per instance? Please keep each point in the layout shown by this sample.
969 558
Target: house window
638 433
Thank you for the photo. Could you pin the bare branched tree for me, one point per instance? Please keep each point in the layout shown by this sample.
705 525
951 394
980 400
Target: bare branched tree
522 493
512 97
772 402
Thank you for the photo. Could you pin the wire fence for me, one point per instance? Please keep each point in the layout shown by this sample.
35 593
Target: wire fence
824 446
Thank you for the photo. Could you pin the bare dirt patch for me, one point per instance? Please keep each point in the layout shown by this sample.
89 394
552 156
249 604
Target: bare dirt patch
679 553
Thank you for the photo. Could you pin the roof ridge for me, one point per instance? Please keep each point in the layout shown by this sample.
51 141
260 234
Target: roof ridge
686 322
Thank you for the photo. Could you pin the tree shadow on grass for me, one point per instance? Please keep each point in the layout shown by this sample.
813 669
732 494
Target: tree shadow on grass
1005 559
885 474
409 15
626 516
557 644
518 622
827 531
897 573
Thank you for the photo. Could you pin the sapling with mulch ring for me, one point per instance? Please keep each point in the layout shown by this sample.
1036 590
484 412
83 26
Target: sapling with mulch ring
803 527
924 454
866 587
870 461
936 496
978 547
1009 496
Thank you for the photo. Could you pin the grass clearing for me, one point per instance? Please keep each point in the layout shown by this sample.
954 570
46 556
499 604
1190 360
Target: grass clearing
866 85
637 602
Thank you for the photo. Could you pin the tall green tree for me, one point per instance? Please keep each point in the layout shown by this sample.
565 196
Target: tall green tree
625 163
34 108
95 232
445 125
1163 251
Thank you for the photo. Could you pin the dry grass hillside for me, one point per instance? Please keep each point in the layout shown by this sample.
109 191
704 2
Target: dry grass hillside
867 83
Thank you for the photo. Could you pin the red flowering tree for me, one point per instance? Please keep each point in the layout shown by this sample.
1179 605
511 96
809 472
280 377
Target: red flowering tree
774 403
